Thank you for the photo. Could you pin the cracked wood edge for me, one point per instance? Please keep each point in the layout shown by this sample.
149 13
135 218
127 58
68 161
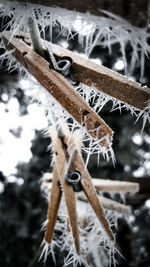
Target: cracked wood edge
61 164
60 89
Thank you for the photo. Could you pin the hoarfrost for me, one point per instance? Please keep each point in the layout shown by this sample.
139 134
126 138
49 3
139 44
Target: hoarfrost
108 31
91 30
100 99
94 242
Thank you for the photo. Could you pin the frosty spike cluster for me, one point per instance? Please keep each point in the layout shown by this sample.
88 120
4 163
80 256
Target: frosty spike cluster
94 223
86 226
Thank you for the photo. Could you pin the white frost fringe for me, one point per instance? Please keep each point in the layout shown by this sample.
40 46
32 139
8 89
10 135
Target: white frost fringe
58 116
93 240
100 99
109 31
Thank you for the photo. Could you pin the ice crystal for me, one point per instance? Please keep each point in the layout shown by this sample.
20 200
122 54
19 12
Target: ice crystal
58 116
91 30
110 30
94 242
100 99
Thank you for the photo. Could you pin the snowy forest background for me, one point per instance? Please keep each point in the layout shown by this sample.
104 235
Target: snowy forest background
24 158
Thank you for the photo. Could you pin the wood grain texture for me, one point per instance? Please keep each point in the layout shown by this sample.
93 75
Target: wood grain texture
53 207
107 185
87 184
60 89
92 74
70 199
106 80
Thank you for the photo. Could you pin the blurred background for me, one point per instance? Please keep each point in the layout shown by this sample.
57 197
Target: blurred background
24 158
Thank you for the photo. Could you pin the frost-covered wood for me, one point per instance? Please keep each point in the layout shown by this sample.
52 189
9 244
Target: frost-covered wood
135 11
86 182
70 199
106 80
92 74
60 89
